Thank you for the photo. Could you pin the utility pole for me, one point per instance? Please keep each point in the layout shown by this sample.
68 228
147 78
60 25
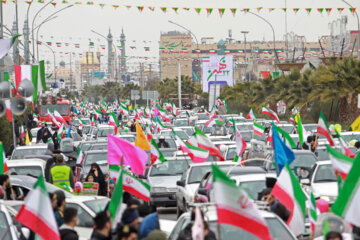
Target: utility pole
245 32
179 83
1 37
71 80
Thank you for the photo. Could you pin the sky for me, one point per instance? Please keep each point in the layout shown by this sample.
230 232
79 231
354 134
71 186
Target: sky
74 25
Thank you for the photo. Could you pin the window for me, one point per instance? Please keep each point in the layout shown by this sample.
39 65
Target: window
97 205
4 225
169 168
26 170
84 218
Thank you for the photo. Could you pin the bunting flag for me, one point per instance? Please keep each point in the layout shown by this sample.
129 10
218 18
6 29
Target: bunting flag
296 10
308 10
233 11
234 206
259 9
221 11
328 10
340 10
163 9
140 8
175 9
320 10
288 191
198 10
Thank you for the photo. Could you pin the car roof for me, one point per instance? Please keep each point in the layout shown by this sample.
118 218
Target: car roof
324 162
211 163
96 151
26 162
239 170
31 146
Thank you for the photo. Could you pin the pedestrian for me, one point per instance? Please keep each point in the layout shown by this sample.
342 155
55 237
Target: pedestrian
4 185
66 230
50 162
40 132
149 224
131 217
54 137
111 187
99 178
61 174
275 206
102 226
60 207
17 130
127 233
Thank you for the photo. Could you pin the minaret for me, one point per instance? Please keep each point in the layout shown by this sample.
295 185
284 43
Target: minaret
123 59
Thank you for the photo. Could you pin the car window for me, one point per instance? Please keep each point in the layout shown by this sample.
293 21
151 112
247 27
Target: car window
4 225
105 132
33 171
99 158
325 173
181 123
169 168
97 205
253 188
198 172
84 218
21 153
180 225
128 138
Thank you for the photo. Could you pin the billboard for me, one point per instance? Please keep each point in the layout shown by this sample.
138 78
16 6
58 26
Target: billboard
219 66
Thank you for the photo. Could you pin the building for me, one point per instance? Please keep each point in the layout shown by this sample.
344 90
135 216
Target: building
89 68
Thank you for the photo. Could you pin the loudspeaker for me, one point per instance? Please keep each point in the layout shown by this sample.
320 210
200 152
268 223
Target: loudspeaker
26 88
18 105
5 90
2 107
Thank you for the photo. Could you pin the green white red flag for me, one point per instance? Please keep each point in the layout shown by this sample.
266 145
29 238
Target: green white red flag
340 162
270 113
288 191
37 214
344 146
114 172
235 208
3 164
251 114
60 133
312 212
116 200
323 129
52 118
258 129
205 143
213 122
197 155
5 45
136 187
113 121
155 155
347 204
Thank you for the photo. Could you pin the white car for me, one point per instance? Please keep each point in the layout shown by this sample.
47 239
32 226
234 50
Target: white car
189 183
31 167
21 152
8 228
322 182
278 228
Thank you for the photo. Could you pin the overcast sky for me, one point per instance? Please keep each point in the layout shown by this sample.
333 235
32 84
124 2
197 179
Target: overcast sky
73 25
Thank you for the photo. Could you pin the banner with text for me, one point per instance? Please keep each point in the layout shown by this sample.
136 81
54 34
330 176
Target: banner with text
219 66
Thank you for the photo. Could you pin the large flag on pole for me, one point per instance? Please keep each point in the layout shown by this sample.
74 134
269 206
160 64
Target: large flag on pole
234 207
37 214
116 200
141 140
347 204
288 191
136 187
240 142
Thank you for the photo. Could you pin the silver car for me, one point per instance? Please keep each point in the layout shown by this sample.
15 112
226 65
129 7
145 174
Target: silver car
162 178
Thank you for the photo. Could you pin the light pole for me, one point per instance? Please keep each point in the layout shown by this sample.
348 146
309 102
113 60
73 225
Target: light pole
272 28
54 60
245 32
110 51
358 22
32 28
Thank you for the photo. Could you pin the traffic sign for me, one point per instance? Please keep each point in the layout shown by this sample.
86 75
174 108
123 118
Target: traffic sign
152 95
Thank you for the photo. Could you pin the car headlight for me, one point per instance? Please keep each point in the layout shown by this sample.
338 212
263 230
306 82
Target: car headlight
158 189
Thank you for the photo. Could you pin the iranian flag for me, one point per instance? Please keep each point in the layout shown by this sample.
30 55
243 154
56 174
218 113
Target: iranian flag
212 51
22 131
347 204
251 114
234 207
197 155
124 110
270 113
155 155
292 119
114 172
52 118
340 162
5 45
344 146
301 130
312 212
82 123
323 129
205 143
113 121
59 118
205 59
98 113
27 72
60 133
288 191
3 164
8 110
116 199
175 111
37 214
212 113
258 129
136 187
80 156
212 122
240 145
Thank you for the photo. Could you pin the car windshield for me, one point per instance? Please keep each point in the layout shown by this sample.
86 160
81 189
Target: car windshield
181 123
348 137
104 132
86 130
253 188
231 153
99 147
303 162
63 109
128 138
325 173
170 142
25 170
21 153
189 131
97 205
198 172
34 131
310 127
86 120
169 168
182 135
277 231
203 116
4 227
99 158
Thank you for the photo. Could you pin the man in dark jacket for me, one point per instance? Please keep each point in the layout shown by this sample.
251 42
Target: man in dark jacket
43 134
102 226
17 130
66 230
276 206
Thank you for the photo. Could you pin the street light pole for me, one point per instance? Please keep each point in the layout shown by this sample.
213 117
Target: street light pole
358 23
37 34
54 60
245 32
273 31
